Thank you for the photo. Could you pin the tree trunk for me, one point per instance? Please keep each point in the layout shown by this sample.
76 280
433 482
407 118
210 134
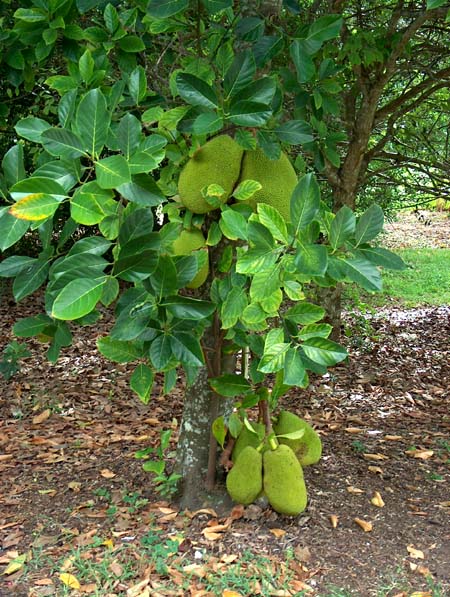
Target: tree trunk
330 299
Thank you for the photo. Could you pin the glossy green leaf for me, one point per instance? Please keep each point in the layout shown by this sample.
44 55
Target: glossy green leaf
230 385
305 313
161 9
305 202
131 44
195 91
35 207
112 172
364 273
78 298
294 132
303 62
129 134
342 227
207 123
294 373
88 204
324 352
141 382
11 229
246 189
239 74
255 260
31 128
261 91
13 165
30 279
369 225
265 283
117 350
233 307
266 48
187 349
13 265
233 225
311 260
184 307
137 84
215 6
382 257
219 430
248 113
273 358
314 330
92 122
36 185
31 326
62 143
273 221
161 352
142 190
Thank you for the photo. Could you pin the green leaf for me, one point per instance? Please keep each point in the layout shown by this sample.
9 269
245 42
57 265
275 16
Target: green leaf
230 385
311 260
164 279
31 326
86 66
195 91
141 382
92 122
266 48
261 91
161 9
382 257
273 358
187 349
219 430
324 352
246 189
78 298
96 245
118 350
87 205
161 352
305 202
302 61
233 307
30 279
137 84
207 123
314 330
13 165
265 283
255 260
325 28
129 134
184 307
110 291
239 74
37 184
234 425
112 172
364 273
62 143
111 18
248 113
305 313
142 190
131 44
154 466
254 314
342 227
434 4
233 225
215 6
11 230
294 132
273 221
294 373
11 266
369 225
31 128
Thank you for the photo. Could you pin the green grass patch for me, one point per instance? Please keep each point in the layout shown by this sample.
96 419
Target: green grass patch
426 281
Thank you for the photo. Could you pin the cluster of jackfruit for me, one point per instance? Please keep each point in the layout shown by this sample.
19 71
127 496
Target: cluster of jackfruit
272 468
222 161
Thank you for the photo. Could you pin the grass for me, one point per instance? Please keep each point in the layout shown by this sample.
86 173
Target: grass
426 281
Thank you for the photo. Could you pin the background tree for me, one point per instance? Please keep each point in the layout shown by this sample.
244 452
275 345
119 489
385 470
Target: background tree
134 92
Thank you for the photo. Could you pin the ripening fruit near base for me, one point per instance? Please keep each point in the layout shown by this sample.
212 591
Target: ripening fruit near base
308 448
244 481
283 481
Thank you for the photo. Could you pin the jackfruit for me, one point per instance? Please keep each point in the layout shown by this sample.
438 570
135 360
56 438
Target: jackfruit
247 438
216 162
308 448
277 177
191 240
244 481
283 482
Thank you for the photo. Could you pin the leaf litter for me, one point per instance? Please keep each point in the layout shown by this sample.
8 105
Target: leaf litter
73 498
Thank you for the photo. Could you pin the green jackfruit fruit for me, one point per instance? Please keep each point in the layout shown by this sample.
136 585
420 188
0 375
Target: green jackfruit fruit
191 240
283 482
277 177
217 162
244 481
247 438
309 447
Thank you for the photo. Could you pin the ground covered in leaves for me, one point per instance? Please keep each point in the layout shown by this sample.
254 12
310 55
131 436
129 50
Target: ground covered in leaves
78 515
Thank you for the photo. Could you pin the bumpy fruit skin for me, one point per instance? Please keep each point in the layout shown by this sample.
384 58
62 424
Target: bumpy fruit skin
191 240
308 448
244 481
277 177
283 483
247 438
217 162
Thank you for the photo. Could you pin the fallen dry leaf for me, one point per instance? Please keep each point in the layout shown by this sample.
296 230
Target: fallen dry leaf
334 520
277 533
421 594
415 553
107 474
137 589
228 593
352 489
354 430
16 564
377 500
69 580
43 416
421 454
376 456
393 438
302 554
89 588
364 524
375 469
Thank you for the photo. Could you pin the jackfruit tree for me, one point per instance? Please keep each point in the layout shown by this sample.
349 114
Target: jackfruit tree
177 199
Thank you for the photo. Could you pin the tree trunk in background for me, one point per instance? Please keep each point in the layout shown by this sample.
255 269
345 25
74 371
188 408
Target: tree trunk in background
331 300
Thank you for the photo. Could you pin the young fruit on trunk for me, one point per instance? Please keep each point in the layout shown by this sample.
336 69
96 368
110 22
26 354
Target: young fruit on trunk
244 481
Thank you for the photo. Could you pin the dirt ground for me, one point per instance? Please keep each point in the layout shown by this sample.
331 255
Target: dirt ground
378 500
